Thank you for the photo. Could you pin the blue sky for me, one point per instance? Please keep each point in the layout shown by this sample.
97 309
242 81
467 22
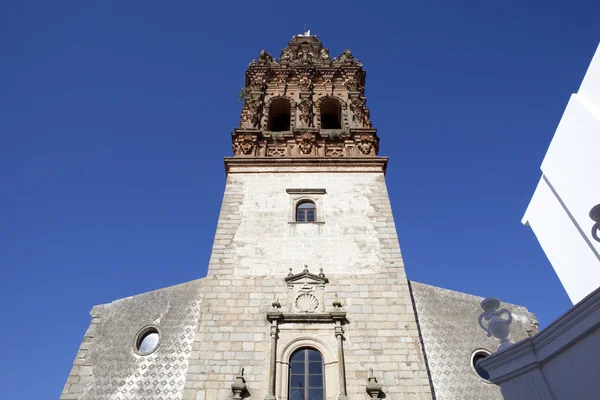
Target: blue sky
115 117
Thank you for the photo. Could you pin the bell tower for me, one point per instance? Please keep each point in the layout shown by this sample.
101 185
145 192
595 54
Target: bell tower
305 104
306 261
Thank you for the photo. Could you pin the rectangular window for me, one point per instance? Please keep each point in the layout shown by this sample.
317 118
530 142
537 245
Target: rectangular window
305 212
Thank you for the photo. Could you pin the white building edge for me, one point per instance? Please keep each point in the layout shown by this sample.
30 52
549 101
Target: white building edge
560 361
568 189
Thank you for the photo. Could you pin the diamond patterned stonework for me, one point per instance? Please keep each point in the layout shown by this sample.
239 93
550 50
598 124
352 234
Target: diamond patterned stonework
450 336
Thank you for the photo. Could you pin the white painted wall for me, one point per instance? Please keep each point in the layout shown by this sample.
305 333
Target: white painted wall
559 363
570 186
353 236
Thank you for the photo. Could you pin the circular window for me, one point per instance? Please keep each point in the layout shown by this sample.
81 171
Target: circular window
146 340
480 355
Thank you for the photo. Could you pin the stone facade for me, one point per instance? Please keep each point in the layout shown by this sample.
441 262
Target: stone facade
451 335
336 284
106 367
356 247
258 234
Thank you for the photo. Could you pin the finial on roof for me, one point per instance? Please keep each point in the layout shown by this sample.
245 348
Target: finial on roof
306 33
497 326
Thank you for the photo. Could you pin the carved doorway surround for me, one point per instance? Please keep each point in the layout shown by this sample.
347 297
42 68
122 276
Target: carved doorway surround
306 324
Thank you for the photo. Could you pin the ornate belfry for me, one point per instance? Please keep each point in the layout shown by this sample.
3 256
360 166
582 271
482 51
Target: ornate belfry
305 104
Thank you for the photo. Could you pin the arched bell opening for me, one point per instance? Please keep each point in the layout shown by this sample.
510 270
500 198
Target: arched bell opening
279 116
331 114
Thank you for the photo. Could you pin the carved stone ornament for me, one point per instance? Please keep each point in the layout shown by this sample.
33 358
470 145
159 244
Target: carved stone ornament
365 145
254 108
334 152
247 144
306 302
305 84
281 77
276 151
360 114
306 112
306 292
346 56
258 84
305 50
264 57
373 387
238 387
286 55
245 118
497 326
351 84
307 142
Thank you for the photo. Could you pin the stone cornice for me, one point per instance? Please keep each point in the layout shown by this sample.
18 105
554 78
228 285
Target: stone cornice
306 274
306 191
304 164
306 318
300 142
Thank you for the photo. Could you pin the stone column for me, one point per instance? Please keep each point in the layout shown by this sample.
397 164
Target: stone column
338 317
273 317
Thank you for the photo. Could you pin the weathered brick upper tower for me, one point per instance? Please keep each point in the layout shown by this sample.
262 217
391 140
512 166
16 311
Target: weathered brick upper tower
306 296
305 104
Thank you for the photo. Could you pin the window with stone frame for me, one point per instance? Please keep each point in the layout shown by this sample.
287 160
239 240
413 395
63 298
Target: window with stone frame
306 206
306 378
306 211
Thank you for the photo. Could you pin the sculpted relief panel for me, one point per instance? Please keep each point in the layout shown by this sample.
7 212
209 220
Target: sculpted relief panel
306 291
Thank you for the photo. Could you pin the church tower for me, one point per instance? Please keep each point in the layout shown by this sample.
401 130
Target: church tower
306 297
306 254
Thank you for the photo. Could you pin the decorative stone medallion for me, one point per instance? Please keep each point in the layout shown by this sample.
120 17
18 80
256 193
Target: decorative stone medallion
306 292
306 302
